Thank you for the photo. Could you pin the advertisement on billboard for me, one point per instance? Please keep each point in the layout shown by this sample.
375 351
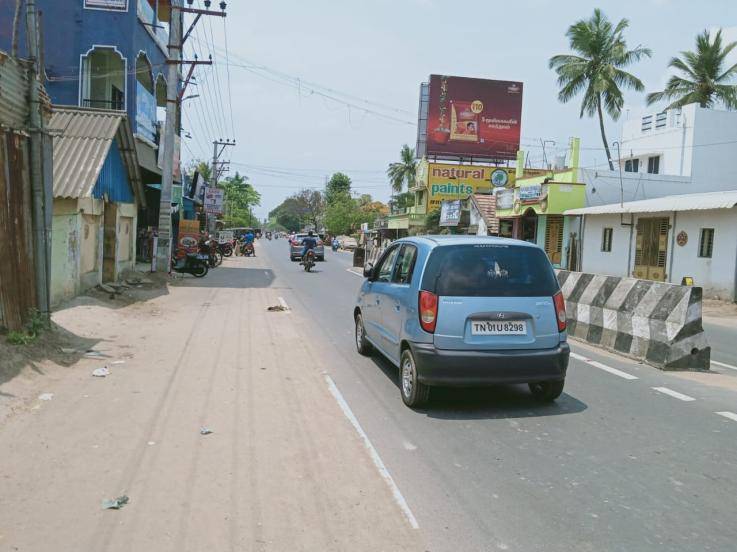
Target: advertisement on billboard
473 118
189 235
213 200
450 213
446 181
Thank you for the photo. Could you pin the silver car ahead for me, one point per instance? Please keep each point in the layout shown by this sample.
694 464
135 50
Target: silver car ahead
295 247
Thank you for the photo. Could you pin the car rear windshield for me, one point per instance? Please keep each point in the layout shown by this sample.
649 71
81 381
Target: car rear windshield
489 270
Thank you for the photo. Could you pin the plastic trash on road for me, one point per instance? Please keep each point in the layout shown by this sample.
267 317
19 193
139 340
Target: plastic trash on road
45 396
101 372
276 308
205 431
115 503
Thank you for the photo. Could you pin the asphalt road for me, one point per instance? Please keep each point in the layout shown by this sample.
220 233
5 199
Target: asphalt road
614 465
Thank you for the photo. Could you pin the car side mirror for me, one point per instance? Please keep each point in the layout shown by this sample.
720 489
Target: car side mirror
368 271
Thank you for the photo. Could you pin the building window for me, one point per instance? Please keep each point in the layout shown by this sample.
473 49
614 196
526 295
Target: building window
632 165
706 242
653 165
661 120
103 82
606 240
647 123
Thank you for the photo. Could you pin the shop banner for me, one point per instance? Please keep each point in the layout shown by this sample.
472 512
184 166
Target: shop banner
504 200
477 118
213 200
531 192
447 182
189 235
450 213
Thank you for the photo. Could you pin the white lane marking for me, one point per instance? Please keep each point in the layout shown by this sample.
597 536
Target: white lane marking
600 366
283 303
373 453
730 415
674 394
353 272
723 365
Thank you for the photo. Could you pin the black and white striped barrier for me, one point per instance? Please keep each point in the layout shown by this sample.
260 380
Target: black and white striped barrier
655 322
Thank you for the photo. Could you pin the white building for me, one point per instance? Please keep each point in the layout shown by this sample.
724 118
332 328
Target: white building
679 151
667 239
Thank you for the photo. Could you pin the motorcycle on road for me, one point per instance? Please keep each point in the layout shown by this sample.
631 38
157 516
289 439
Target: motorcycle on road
309 260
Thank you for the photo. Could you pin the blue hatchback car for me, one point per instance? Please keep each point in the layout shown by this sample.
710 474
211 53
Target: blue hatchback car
465 311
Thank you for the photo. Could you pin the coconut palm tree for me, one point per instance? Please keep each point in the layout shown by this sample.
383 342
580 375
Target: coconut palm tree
403 170
597 68
705 81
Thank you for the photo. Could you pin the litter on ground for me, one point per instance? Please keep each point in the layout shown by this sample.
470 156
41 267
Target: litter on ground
45 396
101 372
115 503
276 308
205 431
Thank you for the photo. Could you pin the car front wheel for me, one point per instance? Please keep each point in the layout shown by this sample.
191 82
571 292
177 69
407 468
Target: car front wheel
414 393
546 391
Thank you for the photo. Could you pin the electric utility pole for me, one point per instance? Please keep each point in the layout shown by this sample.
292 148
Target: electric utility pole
173 102
41 203
214 173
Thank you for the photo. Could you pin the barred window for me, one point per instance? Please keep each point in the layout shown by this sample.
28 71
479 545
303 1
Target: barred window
706 242
606 240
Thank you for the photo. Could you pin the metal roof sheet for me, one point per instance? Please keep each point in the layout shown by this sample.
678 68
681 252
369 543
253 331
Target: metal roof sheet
14 92
81 146
683 202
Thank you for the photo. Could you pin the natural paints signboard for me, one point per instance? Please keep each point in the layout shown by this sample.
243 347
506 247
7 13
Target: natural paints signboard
449 182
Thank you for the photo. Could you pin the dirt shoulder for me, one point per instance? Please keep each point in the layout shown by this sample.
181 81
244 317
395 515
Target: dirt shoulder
282 469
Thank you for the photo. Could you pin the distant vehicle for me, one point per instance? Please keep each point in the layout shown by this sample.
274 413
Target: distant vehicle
347 242
295 247
465 311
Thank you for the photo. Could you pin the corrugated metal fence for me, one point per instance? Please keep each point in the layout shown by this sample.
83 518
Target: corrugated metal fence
17 281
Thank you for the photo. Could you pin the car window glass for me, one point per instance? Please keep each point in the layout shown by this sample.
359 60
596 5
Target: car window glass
405 264
384 270
489 270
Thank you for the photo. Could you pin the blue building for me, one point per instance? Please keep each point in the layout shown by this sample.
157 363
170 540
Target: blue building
111 55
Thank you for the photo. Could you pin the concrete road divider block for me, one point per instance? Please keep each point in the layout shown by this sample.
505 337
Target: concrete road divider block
655 322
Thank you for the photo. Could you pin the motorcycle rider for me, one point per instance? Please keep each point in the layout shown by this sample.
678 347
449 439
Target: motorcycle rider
249 239
308 242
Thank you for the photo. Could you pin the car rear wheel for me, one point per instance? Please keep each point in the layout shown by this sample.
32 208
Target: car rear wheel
414 393
546 391
362 344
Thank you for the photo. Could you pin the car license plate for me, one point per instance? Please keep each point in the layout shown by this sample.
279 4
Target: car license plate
498 327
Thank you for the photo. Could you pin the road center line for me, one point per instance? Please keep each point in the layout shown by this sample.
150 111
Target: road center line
674 394
729 415
373 453
600 366
353 272
723 365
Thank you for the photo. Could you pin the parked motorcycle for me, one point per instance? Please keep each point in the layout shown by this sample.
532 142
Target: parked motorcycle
225 249
210 249
190 263
247 250
309 260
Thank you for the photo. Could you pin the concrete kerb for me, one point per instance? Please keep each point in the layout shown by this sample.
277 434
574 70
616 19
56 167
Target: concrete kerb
654 322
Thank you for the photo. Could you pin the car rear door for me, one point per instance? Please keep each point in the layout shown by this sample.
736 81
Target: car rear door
376 295
493 296
397 305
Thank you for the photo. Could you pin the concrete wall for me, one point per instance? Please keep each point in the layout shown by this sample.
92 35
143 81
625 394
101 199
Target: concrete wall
715 140
716 275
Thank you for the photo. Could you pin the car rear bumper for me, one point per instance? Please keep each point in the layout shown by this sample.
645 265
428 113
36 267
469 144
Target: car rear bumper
467 368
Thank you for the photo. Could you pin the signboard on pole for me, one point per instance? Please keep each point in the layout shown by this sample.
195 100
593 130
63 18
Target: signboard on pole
450 213
189 235
473 118
213 200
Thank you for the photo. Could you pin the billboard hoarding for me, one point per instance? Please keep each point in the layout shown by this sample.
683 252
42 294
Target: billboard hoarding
477 118
189 235
446 181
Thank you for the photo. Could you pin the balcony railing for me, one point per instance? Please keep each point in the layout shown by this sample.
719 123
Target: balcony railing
116 105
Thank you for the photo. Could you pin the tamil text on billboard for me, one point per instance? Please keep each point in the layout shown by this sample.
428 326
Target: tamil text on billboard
476 118
446 181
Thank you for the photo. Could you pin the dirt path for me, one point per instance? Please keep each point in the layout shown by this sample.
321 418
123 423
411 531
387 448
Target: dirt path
283 469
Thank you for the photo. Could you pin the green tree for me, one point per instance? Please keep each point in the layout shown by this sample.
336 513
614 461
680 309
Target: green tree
338 184
342 214
288 214
240 198
597 70
705 81
201 167
404 170
311 207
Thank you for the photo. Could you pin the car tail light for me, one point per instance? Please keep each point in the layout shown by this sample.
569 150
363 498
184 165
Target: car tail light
560 310
428 311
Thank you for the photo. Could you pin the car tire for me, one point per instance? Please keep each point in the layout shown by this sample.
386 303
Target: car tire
362 344
546 391
414 393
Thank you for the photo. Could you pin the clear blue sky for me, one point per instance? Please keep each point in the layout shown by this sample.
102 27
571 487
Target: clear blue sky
380 50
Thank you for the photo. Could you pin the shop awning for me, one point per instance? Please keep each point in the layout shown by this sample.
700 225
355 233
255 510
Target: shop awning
684 202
